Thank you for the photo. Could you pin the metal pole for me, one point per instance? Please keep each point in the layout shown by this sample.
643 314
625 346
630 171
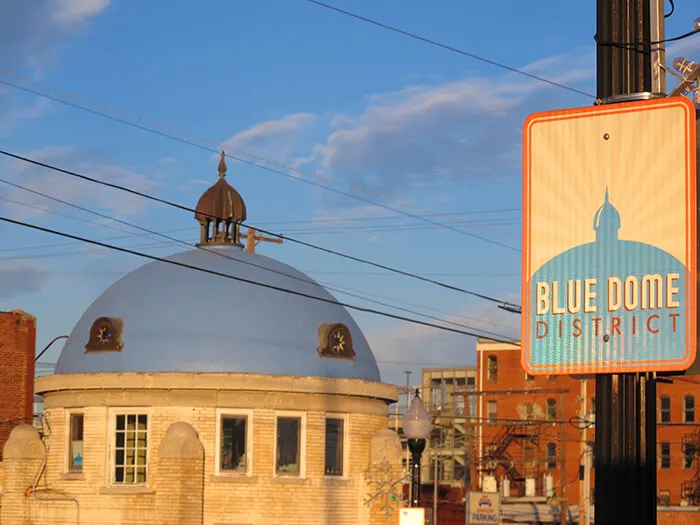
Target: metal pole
435 486
416 446
658 51
583 494
564 504
625 432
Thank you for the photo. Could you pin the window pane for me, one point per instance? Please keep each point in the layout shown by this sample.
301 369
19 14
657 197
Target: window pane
334 447
665 409
689 409
665 455
551 409
233 443
131 451
288 436
76 442
551 455
492 368
492 412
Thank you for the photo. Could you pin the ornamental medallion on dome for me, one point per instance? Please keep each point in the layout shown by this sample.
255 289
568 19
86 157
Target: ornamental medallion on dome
335 341
106 335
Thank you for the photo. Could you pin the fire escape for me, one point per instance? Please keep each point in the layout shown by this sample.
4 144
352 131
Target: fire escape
690 489
499 462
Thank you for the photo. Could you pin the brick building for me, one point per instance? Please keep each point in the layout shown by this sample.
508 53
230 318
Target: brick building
515 441
17 350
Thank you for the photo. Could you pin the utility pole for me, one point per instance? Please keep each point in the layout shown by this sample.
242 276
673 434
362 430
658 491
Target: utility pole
253 239
625 431
583 483
563 500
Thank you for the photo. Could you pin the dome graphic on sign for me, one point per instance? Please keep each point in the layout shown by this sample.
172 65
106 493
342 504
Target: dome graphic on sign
622 301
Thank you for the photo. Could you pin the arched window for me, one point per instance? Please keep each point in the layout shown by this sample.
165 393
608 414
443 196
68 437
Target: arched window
551 408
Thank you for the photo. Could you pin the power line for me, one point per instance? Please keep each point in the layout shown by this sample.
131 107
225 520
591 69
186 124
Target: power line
249 263
244 280
243 161
644 43
451 48
290 239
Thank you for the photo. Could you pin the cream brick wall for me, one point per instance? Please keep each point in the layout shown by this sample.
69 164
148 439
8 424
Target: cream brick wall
262 498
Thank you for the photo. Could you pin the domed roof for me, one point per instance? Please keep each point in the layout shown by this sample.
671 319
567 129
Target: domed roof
607 218
221 200
175 319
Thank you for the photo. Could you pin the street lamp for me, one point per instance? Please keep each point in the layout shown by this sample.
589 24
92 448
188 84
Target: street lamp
416 426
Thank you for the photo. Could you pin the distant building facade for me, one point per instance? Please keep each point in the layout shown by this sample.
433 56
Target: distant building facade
514 440
448 445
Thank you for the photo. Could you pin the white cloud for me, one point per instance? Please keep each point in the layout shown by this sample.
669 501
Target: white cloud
277 139
15 115
464 128
35 30
73 12
72 189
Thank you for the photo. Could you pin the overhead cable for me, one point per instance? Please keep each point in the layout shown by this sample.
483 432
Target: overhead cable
451 48
174 240
290 239
247 281
258 158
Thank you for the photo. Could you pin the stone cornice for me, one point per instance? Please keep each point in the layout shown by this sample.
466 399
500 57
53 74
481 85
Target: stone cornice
211 381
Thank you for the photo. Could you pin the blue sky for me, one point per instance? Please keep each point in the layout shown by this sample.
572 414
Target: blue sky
404 124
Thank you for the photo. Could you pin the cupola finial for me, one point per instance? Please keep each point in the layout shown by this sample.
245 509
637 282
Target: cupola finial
222 165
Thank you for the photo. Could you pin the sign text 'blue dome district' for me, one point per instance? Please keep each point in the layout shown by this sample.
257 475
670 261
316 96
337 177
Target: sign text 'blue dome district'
609 239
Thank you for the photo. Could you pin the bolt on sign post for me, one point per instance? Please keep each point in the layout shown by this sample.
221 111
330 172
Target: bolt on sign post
609 239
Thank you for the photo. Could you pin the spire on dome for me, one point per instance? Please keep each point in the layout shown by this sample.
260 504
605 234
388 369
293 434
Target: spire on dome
606 222
220 211
222 165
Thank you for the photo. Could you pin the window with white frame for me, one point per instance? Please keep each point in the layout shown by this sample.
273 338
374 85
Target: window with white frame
75 441
335 446
130 448
289 445
234 442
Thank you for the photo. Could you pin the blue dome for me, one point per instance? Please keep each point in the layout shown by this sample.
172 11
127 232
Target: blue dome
180 320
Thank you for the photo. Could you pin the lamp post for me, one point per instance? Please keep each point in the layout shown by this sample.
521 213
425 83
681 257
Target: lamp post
416 426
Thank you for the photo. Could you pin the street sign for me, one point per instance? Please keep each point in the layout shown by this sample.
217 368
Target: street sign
483 507
412 516
609 239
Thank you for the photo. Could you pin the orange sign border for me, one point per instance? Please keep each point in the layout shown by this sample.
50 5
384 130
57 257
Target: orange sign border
691 241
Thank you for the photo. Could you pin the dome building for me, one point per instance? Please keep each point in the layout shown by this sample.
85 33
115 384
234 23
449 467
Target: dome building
207 389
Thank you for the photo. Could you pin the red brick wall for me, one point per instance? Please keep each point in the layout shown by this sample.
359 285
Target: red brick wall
17 350
511 376
677 518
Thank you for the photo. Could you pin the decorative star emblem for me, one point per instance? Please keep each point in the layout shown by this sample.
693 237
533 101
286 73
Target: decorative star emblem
104 335
338 342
